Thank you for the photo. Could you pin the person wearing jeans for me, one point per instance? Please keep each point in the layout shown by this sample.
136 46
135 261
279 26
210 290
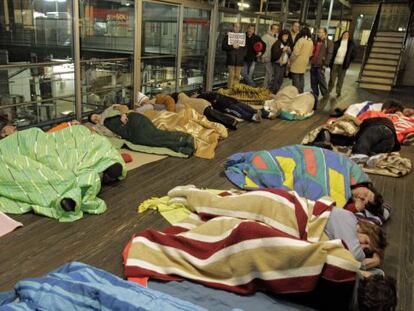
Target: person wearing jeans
269 39
231 106
299 59
255 47
280 57
235 58
322 55
344 53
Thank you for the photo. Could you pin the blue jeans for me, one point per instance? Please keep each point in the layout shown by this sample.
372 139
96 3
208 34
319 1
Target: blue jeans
278 76
248 71
318 81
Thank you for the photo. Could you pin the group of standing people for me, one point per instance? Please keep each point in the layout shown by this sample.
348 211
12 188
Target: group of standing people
288 53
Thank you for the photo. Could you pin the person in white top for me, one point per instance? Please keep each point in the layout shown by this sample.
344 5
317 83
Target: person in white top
344 53
269 38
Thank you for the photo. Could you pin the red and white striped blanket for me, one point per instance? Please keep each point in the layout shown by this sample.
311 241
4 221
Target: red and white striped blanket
269 240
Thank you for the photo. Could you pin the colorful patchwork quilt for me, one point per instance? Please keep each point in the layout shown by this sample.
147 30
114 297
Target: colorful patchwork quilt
311 171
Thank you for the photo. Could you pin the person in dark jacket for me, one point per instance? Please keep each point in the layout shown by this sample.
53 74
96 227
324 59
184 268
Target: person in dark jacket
322 55
255 47
281 50
344 53
235 58
376 135
294 34
231 106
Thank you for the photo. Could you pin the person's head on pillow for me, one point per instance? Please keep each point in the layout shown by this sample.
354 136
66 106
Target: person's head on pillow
95 118
377 293
365 196
6 129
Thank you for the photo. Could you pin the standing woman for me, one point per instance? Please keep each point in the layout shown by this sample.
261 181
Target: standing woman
235 58
344 53
302 52
281 50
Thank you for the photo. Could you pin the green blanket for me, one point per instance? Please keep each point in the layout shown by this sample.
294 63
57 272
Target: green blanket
38 170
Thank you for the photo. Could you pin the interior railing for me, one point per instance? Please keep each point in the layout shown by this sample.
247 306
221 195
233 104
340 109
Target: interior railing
407 32
370 41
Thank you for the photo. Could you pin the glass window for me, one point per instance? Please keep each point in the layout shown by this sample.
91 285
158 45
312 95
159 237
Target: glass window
36 68
107 40
159 47
226 22
196 30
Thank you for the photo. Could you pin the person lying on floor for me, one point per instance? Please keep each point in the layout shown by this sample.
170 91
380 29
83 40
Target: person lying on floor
65 170
230 106
158 102
205 108
267 240
312 172
139 130
375 135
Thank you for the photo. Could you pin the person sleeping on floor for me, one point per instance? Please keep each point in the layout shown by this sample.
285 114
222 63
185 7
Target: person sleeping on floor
312 172
268 240
139 130
65 170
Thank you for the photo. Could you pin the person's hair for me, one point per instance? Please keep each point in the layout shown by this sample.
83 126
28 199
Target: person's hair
375 207
393 104
324 30
251 26
90 118
305 32
282 33
274 25
346 31
376 236
377 293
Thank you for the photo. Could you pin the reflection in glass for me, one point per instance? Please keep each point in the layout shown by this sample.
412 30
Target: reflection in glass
36 69
107 40
195 48
226 22
159 47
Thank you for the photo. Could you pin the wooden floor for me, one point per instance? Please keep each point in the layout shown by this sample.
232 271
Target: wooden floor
44 244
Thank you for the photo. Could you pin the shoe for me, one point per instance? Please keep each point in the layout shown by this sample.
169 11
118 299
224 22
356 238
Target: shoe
272 115
257 117
338 112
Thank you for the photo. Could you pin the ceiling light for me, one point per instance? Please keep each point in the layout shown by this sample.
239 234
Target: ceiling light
243 5
362 15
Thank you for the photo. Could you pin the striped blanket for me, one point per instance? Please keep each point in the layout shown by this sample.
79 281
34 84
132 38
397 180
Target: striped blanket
269 240
312 172
76 286
38 170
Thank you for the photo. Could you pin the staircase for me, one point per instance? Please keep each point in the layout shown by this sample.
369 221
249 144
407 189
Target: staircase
382 66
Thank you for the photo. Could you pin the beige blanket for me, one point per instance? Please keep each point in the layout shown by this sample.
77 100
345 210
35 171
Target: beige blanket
205 133
289 100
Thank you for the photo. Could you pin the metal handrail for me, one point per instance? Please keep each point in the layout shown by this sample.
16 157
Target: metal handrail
370 42
407 29
57 63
